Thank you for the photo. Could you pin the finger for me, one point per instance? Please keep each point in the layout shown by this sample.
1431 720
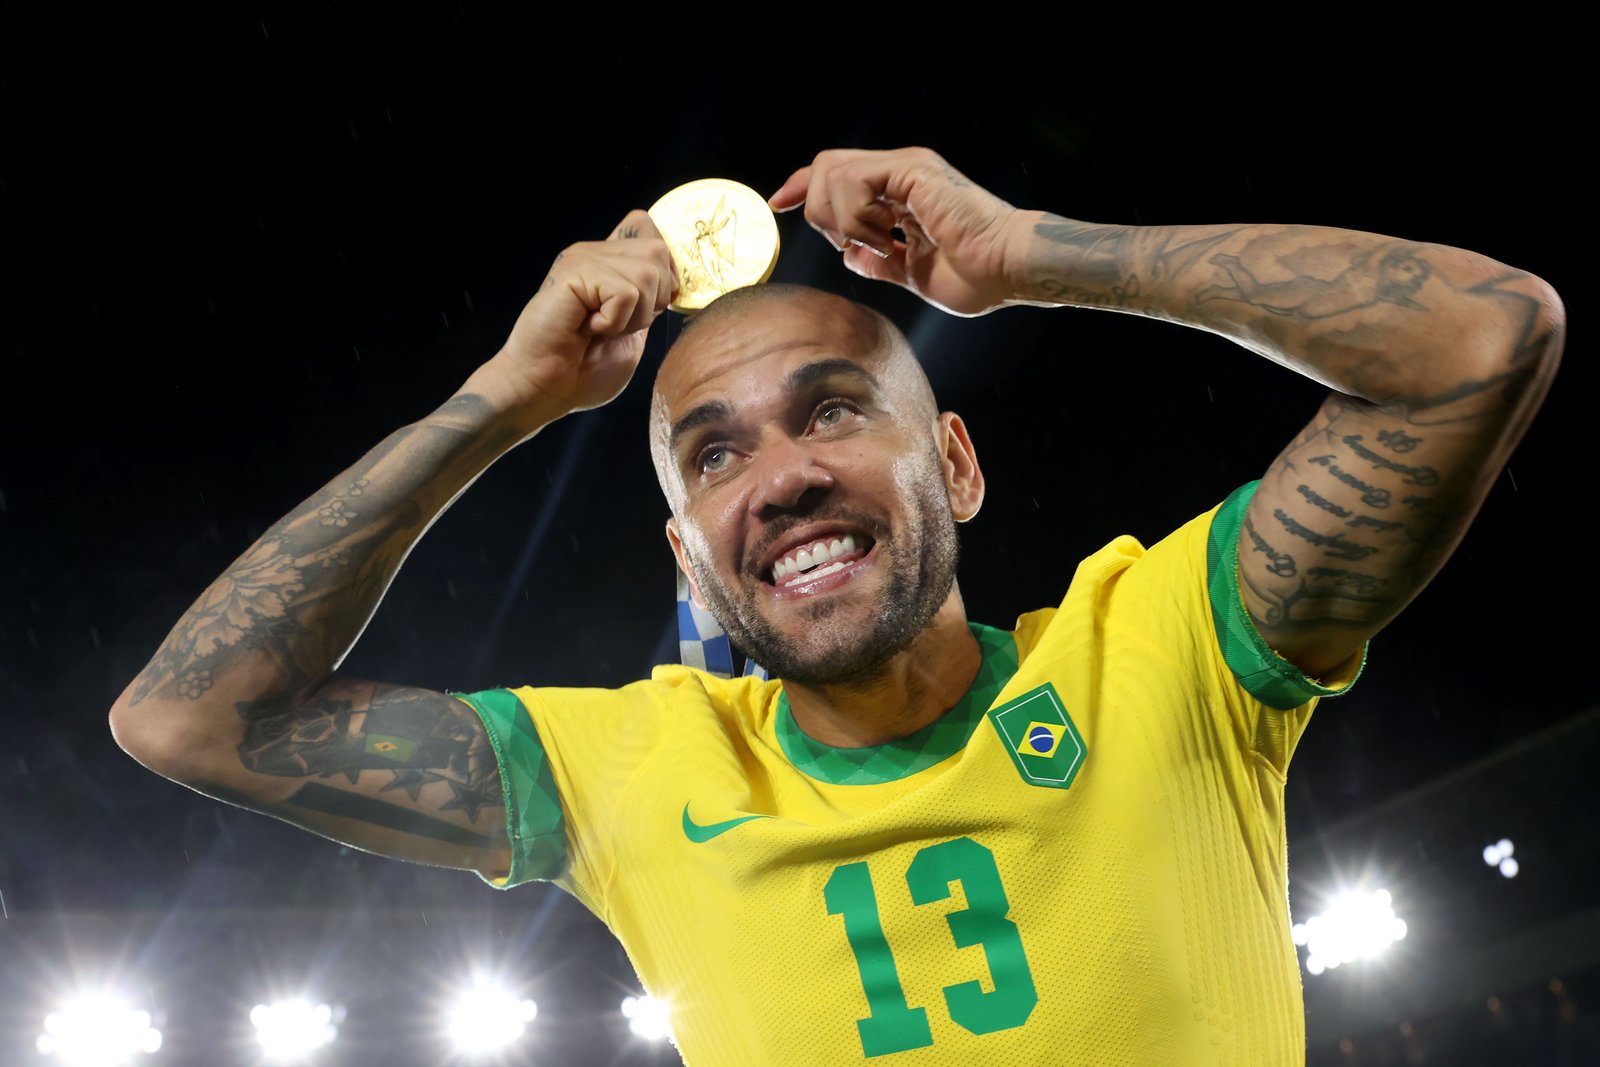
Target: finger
613 297
861 218
793 192
636 223
869 263
656 286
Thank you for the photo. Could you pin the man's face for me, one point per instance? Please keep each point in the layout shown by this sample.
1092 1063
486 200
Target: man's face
789 427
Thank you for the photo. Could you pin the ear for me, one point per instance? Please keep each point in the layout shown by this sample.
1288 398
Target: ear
676 542
962 475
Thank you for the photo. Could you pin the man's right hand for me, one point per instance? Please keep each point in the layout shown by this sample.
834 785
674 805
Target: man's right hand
578 341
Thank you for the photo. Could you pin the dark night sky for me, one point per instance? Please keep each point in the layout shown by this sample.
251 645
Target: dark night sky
226 276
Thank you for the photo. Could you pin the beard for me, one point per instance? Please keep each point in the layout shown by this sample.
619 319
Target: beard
920 571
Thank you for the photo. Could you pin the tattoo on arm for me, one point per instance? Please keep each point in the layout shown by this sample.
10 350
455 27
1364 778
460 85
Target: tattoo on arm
1371 495
1334 545
430 746
302 593
1413 475
1102 266
1321 502
1279 563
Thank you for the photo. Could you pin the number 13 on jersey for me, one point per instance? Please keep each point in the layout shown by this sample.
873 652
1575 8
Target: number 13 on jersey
891 1024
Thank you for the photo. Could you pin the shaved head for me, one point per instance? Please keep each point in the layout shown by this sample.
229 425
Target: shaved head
733 325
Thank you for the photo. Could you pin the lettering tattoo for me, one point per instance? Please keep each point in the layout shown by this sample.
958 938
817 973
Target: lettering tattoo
1335 545
1380 525
1118 296
1413 475
1398 440
1371 495
1279 563
1326 505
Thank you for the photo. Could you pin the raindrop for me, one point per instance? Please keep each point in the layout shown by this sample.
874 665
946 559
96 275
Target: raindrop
1513 478
466 294
358 352
446 319
450 587
94 636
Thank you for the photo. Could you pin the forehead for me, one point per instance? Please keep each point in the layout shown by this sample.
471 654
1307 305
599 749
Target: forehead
738 354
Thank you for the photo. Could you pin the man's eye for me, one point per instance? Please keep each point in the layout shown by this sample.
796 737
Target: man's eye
831 415
715 459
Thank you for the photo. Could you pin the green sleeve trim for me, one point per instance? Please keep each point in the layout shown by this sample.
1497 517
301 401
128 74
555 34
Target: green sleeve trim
534 822
1265 675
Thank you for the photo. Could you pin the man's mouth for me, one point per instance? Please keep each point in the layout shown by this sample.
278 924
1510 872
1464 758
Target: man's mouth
818 559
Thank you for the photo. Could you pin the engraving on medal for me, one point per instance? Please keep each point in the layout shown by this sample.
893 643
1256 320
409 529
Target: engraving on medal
722 236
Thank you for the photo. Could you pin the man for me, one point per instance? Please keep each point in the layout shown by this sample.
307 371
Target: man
925 838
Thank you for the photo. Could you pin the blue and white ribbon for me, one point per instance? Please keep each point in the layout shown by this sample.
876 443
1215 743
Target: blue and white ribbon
701 642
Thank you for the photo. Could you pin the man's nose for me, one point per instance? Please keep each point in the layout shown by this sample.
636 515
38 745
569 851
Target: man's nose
786 470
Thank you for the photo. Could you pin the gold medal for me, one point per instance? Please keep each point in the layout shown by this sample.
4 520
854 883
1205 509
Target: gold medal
722 236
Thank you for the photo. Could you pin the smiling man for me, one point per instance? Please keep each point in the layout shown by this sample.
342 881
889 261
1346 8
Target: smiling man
924 839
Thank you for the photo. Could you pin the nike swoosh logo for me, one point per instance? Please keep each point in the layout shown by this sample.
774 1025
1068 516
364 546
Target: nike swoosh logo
701 834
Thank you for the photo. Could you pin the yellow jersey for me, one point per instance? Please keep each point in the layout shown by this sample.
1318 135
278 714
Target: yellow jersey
1082 862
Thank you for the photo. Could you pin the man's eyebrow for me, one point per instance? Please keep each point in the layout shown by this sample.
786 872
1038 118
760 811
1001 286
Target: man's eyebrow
695 417
806 375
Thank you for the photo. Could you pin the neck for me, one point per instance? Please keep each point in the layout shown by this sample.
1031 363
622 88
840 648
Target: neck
910 691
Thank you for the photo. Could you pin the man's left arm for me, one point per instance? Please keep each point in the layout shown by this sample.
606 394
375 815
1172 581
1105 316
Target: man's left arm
1437 358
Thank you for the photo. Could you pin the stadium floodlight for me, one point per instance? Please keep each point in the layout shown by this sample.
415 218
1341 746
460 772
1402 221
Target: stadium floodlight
97 1030
1358 925
487 1017
647 1017
291 1029
1499 855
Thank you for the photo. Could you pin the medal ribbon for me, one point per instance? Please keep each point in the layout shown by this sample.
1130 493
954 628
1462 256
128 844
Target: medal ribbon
702 644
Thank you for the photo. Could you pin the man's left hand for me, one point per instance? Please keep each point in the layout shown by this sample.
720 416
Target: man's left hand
961 244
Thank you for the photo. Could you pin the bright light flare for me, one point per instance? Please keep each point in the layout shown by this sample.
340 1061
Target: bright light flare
1499 855
289 1029
647 1017
97 1030
488 1017
1359 925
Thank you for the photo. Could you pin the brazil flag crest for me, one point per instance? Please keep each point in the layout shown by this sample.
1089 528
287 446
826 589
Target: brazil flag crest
1041 738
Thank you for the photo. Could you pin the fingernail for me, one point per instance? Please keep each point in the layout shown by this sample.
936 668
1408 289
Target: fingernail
874 249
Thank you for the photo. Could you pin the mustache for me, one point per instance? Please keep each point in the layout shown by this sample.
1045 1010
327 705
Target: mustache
784 525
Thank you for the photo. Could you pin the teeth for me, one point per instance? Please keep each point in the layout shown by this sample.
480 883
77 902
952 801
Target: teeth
823 572
814 555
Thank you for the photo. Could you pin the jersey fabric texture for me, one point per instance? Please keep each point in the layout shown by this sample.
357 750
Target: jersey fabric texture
1082 862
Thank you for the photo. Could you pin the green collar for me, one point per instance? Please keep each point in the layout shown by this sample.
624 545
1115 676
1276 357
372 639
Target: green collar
905 756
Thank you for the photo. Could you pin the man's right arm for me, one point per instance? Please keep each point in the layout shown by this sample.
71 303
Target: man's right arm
242 701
